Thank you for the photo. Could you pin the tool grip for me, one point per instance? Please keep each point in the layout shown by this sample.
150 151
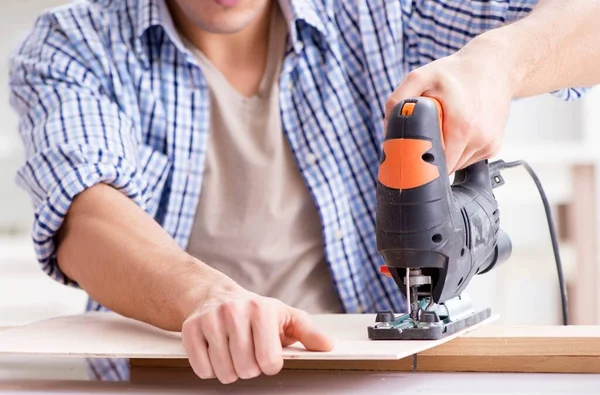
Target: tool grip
411 148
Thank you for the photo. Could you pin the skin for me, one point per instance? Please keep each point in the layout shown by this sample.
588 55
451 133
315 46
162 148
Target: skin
229 332
229 37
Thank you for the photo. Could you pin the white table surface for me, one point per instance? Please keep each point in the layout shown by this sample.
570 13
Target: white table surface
67 376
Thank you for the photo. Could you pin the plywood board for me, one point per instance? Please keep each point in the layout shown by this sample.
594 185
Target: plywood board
536 349
108 335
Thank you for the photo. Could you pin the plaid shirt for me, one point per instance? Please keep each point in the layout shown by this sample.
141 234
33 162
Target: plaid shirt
107 93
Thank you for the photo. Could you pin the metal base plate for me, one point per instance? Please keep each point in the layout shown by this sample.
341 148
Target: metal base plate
398 331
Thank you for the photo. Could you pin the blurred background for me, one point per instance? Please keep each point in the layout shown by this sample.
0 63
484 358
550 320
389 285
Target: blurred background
560 140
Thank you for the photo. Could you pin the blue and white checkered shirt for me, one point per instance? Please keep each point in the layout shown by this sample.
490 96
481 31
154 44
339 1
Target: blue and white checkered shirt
107 94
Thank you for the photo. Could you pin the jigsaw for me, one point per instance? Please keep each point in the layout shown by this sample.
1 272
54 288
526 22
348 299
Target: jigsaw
436 236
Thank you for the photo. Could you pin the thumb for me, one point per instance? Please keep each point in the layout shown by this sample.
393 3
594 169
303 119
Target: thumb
299 327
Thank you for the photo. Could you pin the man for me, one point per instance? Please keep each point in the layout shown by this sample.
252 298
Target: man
210 166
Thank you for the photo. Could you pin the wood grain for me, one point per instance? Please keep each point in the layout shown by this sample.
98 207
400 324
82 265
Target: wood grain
465 363
108 335
538 349
430 363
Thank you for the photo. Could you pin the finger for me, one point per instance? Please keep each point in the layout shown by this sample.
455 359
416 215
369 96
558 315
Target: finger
241 346
469 161
467 158
490 151
453 152
457 136
267 344
195 345
200 361
301 328
415 83
218 352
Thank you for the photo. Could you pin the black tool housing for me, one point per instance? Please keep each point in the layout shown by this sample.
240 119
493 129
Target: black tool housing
449 231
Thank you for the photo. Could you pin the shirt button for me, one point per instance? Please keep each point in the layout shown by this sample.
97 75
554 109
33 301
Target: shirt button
290 84
338 234
311 159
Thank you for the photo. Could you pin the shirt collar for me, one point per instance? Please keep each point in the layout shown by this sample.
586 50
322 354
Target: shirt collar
298 11
155 13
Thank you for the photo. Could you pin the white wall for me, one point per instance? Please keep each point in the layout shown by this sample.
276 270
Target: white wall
525 289
16 19
26 293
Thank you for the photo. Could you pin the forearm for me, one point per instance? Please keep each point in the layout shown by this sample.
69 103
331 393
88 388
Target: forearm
128 263
555 47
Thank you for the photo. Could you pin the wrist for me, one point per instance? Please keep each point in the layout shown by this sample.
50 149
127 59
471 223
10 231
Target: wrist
201 287
500 55
522 51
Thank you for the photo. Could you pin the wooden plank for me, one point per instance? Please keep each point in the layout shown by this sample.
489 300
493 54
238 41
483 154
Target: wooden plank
431 363
491 349
535 341
538 349
108 335
465 363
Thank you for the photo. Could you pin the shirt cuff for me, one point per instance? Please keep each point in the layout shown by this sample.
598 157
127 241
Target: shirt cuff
570 94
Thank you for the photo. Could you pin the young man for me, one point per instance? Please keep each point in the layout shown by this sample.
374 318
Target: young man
210 166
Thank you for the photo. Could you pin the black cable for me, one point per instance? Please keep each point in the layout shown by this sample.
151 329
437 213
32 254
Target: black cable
561 280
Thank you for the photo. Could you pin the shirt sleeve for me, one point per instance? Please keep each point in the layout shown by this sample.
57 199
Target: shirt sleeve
437 28
74 135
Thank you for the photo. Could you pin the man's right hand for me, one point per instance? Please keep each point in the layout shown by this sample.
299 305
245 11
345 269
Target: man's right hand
238 334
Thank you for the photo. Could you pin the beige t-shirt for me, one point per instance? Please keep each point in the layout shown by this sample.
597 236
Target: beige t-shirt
256 220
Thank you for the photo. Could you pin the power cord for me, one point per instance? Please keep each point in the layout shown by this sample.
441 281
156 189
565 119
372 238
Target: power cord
501 165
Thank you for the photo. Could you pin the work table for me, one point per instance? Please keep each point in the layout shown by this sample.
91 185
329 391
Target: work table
58 375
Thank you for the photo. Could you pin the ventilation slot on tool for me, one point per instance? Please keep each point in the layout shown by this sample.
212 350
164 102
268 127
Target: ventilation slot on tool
465 217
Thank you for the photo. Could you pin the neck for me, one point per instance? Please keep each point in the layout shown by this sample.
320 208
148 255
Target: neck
248 46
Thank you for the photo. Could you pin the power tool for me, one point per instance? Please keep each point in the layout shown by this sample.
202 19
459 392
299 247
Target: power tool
435 236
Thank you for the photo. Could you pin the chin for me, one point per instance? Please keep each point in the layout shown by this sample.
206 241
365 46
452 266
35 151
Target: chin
222 16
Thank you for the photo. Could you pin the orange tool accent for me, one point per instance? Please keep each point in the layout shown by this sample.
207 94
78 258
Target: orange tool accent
385 271
407 109
404 167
